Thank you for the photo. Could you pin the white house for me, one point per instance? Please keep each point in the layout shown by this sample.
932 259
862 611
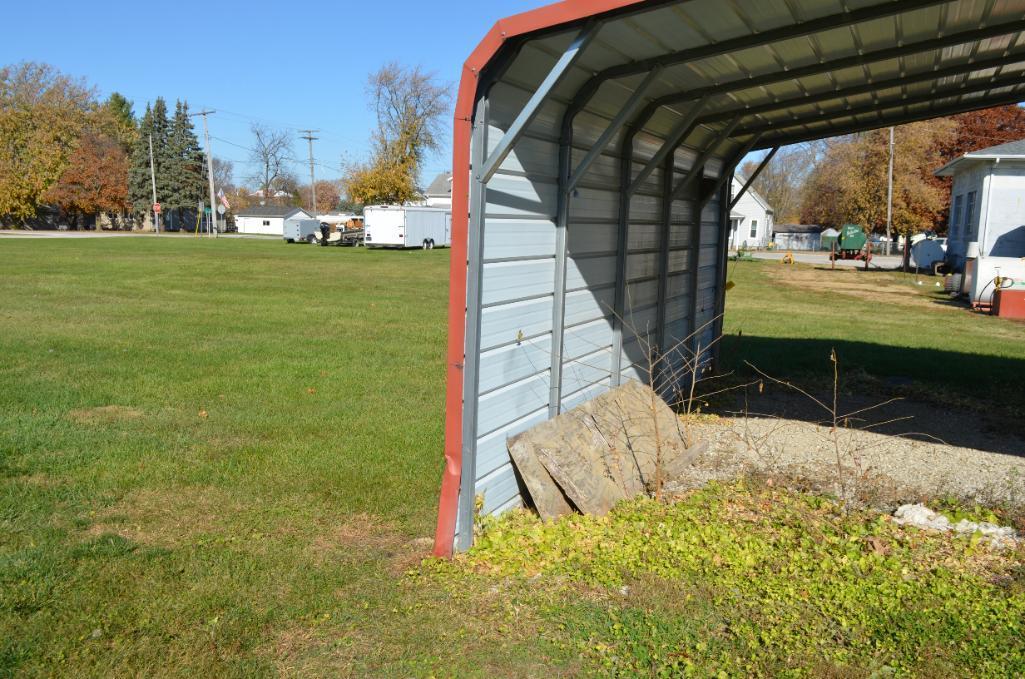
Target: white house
751 220
987 202
268 220
439 193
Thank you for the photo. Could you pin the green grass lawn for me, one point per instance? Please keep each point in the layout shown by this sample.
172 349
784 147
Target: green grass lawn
219 458
883 325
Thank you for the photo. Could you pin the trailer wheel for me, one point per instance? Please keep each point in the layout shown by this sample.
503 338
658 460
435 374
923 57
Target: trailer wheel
430 244
290 240
426 245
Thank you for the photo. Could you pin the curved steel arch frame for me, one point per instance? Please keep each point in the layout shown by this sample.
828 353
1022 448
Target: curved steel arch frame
500 47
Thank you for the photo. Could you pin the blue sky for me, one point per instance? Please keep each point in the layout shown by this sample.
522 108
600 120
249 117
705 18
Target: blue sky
286 64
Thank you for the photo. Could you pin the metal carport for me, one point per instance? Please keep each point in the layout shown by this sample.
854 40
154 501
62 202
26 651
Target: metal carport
593 141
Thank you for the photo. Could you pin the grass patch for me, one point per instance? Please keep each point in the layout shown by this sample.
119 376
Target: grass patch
756 581
222 458
891 336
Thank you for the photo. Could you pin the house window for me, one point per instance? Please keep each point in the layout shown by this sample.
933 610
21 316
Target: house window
266 222
971 226
956 215
754 228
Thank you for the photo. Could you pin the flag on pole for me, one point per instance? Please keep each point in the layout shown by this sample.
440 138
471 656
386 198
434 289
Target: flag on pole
224 199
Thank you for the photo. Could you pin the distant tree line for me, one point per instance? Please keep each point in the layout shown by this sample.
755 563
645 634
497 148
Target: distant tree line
66 151
844 180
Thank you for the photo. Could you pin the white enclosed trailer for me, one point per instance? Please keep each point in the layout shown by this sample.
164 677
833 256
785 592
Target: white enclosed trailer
399 226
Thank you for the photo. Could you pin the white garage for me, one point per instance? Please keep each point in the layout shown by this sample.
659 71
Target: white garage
268 220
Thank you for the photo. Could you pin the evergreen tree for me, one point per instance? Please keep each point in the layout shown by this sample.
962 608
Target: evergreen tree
186 162
140 193
154 125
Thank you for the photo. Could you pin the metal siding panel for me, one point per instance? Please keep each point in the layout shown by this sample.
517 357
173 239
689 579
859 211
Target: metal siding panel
508 404
641 293
492 450
507 281
513 363
642 266
586 305
504 324
517 197
586 238
498 488
510 238
590 272
587 338
580 373
591 392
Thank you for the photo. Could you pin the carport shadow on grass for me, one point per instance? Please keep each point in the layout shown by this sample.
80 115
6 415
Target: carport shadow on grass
966 400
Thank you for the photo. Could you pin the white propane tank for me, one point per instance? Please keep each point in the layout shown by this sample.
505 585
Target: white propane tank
927 252
986 270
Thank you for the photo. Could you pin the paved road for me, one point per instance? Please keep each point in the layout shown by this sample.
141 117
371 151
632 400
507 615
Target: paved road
822 259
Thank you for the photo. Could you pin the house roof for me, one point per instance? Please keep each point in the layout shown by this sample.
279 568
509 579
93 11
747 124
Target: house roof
798 228
284 211
441 187
1012 150
754 194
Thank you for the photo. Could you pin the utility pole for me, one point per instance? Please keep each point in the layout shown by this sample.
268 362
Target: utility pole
153 180
308 136
889 198
210 172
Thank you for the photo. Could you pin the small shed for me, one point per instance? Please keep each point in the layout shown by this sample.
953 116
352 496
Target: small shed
987 202
594 144
798 237
829 238
268 220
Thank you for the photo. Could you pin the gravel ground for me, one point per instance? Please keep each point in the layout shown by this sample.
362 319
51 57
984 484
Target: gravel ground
934 454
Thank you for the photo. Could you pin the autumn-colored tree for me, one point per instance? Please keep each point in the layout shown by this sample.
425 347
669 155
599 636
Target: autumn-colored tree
410 105
328 196
95 179
42 114
849 185
981 129
381 182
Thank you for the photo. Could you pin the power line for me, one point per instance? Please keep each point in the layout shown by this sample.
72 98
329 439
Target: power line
209 169
308 136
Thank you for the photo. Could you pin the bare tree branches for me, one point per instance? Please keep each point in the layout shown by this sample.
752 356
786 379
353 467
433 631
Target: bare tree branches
410 105
272 151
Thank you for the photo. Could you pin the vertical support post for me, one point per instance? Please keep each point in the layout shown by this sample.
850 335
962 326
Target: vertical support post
210 176
694 258
622 245
308 136
666 219
471 365
153 180
889 197
561 263
722 261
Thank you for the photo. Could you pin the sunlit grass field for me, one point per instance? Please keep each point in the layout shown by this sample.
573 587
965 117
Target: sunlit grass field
219 458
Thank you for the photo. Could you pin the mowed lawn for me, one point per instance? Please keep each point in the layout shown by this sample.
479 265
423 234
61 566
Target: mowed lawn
198 438
222 458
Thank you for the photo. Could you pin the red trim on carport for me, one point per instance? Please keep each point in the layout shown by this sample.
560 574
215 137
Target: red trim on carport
518 25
